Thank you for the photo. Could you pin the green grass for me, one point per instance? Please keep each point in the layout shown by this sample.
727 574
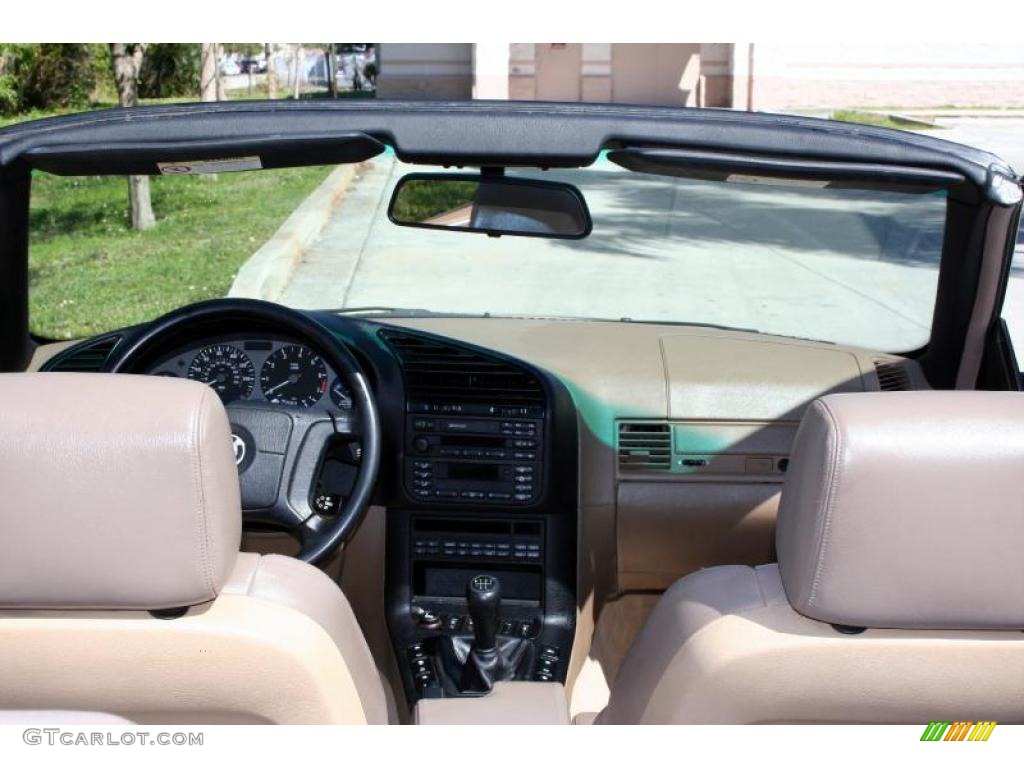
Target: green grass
89 272
421 200
880 120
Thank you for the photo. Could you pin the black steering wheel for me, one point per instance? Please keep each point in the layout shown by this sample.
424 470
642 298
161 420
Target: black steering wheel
285 446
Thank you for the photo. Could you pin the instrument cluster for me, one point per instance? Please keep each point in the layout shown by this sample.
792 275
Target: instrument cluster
275 371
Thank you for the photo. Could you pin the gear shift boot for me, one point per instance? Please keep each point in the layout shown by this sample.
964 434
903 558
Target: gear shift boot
464 672
474 665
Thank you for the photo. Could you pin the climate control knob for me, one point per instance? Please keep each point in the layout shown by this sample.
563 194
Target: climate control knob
421 444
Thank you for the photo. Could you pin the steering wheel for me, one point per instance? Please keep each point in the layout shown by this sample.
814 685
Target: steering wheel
283 447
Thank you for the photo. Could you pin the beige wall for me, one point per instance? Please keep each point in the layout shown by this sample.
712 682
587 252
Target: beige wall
627 73
666 74
807 75
762 76
425 70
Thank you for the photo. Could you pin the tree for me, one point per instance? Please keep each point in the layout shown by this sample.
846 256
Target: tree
126 59
270 53
332 69
208 78
169 69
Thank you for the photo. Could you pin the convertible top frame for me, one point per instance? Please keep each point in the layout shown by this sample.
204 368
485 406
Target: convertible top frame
528 134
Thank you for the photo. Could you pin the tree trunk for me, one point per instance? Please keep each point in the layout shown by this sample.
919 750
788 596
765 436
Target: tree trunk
332 71
219 50
126 59
270 51
208 72
296 70
139 202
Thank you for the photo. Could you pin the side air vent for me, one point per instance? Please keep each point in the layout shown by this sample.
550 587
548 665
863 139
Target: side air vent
85 358
440 371
892 375
645 446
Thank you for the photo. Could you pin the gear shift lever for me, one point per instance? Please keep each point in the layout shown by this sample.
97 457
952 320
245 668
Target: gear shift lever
483 594
484 664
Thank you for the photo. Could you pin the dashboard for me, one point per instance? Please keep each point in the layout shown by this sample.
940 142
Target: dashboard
259 369
566 459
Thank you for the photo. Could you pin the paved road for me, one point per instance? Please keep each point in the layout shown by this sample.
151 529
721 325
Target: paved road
663 250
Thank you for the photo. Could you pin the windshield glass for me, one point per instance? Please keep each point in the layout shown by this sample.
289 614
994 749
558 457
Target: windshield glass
847 266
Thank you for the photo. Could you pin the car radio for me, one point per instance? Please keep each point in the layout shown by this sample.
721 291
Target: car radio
474 453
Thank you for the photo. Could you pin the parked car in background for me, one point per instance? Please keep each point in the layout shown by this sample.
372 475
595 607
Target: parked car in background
253 64
229 66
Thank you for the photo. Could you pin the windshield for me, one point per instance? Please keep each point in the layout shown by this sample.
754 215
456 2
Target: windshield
847 266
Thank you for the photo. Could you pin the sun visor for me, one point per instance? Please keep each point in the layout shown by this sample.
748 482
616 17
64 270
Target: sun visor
203 156
790 171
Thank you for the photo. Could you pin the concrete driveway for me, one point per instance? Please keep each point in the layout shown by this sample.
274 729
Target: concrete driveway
665 250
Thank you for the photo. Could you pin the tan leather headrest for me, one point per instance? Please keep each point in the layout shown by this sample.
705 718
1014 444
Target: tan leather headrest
118 492
906 510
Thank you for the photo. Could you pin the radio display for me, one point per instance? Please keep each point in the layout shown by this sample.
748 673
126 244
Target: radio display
483 472
472 441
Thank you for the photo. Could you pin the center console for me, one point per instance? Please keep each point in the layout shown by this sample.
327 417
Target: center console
483 501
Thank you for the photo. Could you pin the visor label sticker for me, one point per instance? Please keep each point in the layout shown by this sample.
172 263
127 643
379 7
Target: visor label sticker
223 165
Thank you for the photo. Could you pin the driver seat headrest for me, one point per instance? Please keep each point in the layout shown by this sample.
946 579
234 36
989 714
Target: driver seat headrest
120 492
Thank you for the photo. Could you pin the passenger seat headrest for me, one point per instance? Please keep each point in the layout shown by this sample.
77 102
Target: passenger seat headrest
119 491
906 510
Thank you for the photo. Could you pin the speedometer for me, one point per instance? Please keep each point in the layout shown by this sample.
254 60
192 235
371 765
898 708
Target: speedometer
294 375
225 368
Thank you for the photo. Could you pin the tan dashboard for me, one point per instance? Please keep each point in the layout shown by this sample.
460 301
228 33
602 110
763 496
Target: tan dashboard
684 433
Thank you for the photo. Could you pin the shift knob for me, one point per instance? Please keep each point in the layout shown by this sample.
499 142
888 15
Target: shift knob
483 593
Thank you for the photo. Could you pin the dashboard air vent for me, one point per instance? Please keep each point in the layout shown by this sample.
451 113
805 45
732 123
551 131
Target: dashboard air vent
89 357
440 371
645 446
892 375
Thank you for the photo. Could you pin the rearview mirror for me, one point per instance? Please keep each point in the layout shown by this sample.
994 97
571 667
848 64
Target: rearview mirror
494 205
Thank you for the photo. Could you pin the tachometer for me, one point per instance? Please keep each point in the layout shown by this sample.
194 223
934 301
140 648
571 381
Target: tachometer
225 368
294 375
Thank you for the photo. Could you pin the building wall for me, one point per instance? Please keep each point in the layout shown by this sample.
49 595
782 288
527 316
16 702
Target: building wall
810 75
762 76
425 70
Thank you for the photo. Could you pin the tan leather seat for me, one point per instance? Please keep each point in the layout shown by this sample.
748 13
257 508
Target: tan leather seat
899 592
120 497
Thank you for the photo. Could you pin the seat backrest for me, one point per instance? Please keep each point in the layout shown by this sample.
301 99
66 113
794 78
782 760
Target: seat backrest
898 593
121 586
